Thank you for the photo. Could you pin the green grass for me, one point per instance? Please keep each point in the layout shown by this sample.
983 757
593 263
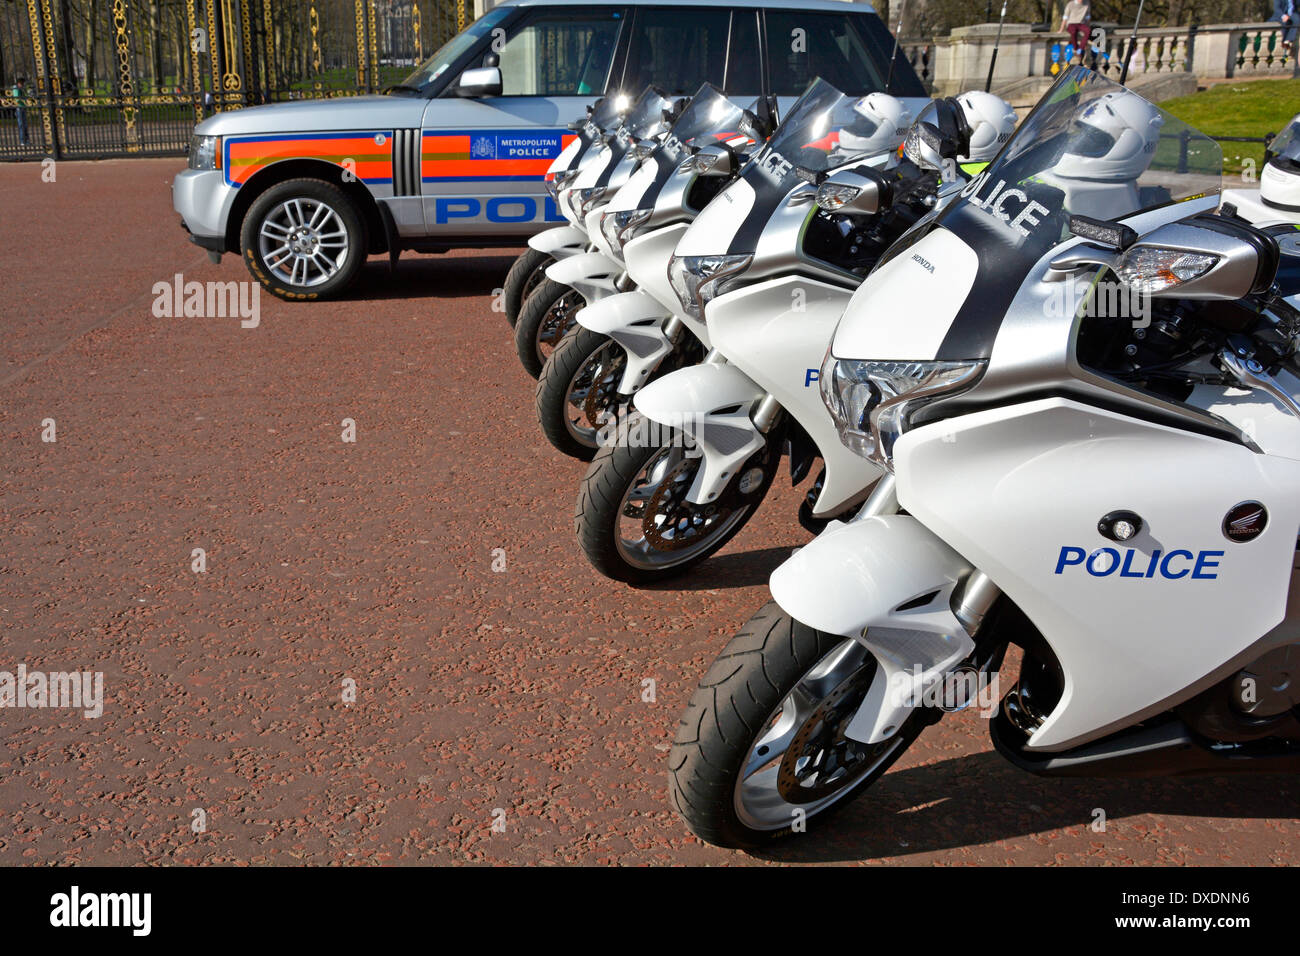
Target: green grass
1239 109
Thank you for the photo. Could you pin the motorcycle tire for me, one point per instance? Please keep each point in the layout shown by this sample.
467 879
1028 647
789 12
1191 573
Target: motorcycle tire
606 497
547 315
736 704
526 274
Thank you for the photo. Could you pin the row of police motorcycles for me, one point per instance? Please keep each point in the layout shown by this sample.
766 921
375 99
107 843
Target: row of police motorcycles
1042 385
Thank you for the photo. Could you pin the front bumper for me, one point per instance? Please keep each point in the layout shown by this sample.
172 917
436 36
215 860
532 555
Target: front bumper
203 200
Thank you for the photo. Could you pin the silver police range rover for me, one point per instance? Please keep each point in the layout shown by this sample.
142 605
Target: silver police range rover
456 155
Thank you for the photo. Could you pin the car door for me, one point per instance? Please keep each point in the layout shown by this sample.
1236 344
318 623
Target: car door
483 160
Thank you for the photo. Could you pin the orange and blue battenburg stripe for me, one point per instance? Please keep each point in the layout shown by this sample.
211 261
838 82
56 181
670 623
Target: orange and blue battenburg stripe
371 153
482 154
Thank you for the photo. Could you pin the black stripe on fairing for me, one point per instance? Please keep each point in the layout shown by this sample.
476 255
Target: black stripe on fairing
1001 271
959 405
744 241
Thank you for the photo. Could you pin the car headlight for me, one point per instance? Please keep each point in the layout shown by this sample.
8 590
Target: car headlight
697 279
1149 269
873 403
619 227
205 152
585 199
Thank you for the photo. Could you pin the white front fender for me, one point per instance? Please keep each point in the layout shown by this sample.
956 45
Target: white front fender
593 275
887 582
711 404
560 242
635 321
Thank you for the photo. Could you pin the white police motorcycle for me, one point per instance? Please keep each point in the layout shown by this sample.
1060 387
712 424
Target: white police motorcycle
579 279
622 341
546 247
1092 442
771 263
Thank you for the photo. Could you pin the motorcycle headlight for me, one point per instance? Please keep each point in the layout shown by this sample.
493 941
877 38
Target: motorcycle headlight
1149 269
560 181
873 403
697 279
585 199
619 227
644 148
205 152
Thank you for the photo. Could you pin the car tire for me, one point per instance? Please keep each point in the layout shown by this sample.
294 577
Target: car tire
323 236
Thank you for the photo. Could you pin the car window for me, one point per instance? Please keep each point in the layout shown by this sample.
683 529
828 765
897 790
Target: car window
565 52
744 67
677 50
804 46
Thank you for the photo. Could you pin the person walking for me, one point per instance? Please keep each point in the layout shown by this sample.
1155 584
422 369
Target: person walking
1285 12
1074 21
18 92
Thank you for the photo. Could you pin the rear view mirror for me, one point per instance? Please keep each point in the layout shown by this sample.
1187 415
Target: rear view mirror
714 160
1199 258
853 192
479 82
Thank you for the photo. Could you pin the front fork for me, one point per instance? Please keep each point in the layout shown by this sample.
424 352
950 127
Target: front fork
888 582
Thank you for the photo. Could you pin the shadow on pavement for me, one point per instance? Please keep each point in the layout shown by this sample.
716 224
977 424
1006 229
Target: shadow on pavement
431 277
979 799
740 569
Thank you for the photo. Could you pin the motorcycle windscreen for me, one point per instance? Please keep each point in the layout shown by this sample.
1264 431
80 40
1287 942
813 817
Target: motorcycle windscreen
645 119
823 130
710 118
1090 147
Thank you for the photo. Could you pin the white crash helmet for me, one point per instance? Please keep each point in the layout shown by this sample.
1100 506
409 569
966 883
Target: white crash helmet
1114 139
991 121
1279 181
878 124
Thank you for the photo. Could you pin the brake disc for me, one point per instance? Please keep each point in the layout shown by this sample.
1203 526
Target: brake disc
670 521
821 740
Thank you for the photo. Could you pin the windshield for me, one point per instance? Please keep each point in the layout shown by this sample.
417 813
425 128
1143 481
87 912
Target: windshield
824 129
1092 148
1286 145
646 117
710 118
454 49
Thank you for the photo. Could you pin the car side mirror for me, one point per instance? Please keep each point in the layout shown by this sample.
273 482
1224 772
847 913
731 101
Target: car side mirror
479 82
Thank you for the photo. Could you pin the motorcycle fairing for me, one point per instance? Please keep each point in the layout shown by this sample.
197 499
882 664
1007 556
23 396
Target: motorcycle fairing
647 258
560 242
711 404
591 274
777 332
635 321
887 582
1131 630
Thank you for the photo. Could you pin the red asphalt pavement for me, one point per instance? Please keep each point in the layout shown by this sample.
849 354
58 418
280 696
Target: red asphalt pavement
372 562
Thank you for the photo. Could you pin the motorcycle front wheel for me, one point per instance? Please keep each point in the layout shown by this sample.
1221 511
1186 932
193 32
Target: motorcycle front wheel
549 312
633 520
526 274
761 749
577 392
